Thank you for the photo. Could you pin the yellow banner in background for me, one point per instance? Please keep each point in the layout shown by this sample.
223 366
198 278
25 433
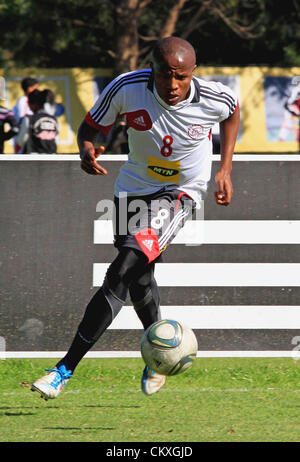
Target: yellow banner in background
266 125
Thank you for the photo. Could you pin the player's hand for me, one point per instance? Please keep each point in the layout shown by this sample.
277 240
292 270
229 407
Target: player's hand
225 190
89 163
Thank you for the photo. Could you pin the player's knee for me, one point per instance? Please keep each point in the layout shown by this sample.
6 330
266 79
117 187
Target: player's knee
139 289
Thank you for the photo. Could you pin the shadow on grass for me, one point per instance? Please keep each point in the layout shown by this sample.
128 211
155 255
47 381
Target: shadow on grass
78 428
111 406
6 408
50 406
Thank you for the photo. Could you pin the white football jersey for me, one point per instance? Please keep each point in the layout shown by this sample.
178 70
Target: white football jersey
169 146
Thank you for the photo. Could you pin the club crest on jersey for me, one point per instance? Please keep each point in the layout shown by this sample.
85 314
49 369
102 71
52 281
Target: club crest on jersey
195 131
163 170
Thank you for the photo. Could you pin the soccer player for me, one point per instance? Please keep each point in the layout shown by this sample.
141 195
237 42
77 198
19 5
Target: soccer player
170 115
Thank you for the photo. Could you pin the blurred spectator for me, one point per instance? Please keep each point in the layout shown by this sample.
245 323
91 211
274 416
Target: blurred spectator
7 117
21 108
50 105
38 131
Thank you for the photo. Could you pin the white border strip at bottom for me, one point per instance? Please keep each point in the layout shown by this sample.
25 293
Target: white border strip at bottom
136 354
123 157
57 157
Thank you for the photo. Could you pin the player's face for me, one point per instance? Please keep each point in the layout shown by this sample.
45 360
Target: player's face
172 77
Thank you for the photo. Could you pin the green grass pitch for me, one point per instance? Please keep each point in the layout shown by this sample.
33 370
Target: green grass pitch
217 400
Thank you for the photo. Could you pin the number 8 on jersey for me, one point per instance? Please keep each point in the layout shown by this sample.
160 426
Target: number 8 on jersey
166 149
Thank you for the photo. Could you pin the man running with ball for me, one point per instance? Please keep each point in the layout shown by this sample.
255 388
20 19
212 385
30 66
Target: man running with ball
170 114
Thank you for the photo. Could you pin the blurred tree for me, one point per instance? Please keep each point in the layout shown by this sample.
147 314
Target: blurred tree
56 33
119 34
146 21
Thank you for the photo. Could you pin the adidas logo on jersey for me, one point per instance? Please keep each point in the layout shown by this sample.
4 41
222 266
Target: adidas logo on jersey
148 243
140 121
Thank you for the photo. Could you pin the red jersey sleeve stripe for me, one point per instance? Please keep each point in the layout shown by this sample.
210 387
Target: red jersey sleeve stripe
236 107
103 129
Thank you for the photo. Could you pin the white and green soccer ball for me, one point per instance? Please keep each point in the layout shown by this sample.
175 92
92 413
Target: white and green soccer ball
169 347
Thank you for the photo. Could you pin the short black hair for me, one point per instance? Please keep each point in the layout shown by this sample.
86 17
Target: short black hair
41 97
28 82
36 97
49 96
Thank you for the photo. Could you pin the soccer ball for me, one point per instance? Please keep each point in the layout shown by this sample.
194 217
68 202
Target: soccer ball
169 347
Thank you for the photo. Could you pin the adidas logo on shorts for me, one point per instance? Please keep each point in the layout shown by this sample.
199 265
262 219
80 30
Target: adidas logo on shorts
148 243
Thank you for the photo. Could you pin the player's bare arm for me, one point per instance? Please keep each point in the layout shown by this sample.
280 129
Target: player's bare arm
86 138
228 134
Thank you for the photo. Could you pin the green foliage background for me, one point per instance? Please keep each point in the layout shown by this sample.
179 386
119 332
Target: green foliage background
81 33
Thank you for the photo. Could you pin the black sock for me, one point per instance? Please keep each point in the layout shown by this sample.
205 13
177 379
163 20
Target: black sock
105 304
76 352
